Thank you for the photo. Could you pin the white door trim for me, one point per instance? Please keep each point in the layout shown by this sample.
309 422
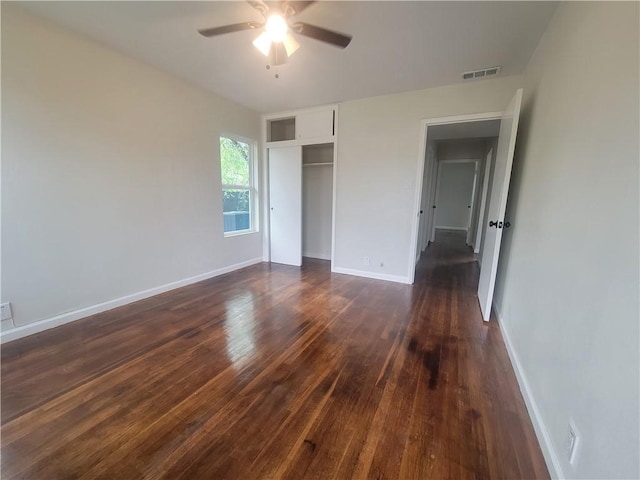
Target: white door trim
334 193
424 125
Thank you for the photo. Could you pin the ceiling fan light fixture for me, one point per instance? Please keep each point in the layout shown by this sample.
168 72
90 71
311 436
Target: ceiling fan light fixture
263 43
275 40
290 44
276 27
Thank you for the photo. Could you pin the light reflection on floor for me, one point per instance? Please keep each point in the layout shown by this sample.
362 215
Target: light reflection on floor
240 328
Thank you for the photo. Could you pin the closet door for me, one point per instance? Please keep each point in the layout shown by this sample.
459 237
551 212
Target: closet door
285 203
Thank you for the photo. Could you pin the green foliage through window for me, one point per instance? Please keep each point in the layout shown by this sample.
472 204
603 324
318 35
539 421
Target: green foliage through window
235 163
234 160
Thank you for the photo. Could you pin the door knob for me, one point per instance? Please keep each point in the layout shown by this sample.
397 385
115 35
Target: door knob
499 224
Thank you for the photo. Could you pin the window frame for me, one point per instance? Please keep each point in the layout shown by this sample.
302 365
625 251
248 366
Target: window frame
254 206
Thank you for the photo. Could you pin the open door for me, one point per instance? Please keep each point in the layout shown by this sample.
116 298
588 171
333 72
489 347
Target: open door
498 203
483 202
425 200
285 203
472 207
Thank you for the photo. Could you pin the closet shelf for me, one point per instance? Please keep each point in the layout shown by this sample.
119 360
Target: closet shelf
316 164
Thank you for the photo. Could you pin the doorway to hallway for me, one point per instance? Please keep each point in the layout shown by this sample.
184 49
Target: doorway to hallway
494 220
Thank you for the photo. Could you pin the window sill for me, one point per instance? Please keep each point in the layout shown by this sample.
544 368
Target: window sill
239 233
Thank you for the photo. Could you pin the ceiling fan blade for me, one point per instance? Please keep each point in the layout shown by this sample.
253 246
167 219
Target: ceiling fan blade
259 5
236 27
328 36
295 7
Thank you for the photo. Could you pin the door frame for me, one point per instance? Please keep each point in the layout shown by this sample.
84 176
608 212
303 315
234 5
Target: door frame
424 126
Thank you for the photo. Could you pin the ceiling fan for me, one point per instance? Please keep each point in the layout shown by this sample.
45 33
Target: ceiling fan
276 40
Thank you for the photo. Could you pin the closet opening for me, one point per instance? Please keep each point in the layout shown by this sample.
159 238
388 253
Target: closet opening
317 200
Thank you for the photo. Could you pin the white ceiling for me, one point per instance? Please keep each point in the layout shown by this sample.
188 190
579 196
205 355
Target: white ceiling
397 46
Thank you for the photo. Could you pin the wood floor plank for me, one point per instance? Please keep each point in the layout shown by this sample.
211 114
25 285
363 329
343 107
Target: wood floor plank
275 372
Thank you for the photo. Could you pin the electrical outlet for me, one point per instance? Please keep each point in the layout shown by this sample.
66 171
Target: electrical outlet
572 442
5 311
366 261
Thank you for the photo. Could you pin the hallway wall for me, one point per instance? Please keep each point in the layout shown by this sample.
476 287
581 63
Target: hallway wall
468 148
455 187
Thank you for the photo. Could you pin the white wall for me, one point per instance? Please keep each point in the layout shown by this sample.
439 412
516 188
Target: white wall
110 173
568 281
317 201
378 157
455 187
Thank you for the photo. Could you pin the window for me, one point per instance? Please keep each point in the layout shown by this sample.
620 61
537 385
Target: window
238 185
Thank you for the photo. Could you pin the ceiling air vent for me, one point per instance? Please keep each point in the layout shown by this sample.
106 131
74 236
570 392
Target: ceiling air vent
485 72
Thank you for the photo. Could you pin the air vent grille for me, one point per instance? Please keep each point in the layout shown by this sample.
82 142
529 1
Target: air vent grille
485 72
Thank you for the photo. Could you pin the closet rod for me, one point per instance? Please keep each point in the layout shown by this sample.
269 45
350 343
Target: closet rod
316 164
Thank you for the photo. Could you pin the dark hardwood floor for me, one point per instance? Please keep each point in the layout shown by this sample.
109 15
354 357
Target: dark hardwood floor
275 372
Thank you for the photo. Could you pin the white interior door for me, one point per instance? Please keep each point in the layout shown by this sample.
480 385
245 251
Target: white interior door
285 203
425 199
483 203
498 203
434 210
431 227
472 205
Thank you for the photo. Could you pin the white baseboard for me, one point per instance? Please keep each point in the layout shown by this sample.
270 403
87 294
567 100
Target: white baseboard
462 229
57 320
319 256
374 275
544 439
